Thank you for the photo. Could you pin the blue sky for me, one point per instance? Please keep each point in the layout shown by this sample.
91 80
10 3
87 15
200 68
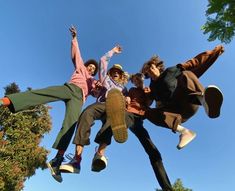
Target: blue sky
35 52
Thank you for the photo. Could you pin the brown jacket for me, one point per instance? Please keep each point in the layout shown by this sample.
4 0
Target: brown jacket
200 63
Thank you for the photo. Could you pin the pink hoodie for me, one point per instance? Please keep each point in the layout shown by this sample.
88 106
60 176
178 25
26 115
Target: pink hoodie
80 76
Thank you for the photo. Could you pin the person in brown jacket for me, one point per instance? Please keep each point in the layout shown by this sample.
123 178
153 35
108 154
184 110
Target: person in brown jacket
180 93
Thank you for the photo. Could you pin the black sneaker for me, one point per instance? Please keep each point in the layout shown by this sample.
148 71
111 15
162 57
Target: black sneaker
212 101
54 166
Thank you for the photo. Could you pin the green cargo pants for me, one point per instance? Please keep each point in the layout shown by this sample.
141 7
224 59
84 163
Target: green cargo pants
69 93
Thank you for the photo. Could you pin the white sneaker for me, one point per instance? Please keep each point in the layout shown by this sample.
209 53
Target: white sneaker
212 101
99 162
185 138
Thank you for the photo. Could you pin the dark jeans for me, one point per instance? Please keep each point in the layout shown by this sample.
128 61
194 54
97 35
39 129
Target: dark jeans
135 122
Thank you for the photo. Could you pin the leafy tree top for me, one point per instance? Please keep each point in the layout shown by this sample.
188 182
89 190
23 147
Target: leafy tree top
220 22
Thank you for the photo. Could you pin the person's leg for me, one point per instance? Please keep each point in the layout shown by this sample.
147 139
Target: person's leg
93 112
190 91
67 93
72 112
172 121
86 119
105 134
24 100
154 156
103 138
164 118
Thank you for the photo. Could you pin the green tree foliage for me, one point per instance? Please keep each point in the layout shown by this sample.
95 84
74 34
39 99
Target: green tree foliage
20 136
178 186
220 22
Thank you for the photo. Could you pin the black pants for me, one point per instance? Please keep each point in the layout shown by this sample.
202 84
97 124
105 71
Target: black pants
135 123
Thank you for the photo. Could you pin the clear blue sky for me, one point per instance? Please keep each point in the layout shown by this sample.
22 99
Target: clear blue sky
35 52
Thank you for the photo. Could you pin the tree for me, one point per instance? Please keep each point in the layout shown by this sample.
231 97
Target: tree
220 22
178 186
20 136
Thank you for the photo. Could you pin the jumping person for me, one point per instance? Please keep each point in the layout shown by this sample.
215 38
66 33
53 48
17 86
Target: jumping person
137 102
73 94
180 93
114 78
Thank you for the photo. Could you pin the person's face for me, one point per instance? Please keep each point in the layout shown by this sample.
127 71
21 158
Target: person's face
115 74
91 69
138 82
153 72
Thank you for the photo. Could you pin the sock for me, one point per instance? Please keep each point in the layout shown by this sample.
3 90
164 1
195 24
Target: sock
78 158
5 101
101 149
181 129
100 152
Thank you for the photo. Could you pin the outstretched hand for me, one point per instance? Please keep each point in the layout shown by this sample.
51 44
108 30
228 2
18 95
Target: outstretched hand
73 31
117 49
221 48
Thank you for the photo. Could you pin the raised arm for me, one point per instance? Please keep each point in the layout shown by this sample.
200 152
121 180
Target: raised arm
75 51
103 66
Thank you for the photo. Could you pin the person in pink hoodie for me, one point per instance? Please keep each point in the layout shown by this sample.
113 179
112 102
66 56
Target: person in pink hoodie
73 94
110 79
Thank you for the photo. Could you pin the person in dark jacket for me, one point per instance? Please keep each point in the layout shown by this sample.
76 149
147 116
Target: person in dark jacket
178 92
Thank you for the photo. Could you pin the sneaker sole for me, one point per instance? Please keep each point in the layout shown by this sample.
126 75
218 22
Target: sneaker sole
213 99
187 142
56 177
115 110
69 169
